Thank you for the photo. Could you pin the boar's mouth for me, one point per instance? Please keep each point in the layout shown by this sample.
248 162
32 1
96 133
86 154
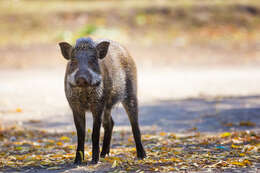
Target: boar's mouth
86 78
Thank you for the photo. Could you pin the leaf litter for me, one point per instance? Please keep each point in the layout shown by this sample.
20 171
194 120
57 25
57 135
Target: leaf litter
24 149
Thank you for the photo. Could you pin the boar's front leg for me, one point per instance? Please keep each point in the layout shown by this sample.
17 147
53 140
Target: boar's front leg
80 123
108 125
97 115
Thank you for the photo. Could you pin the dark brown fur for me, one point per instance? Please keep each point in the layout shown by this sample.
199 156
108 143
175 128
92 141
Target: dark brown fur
119 84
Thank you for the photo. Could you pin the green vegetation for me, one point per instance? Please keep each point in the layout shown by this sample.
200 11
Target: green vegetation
84 31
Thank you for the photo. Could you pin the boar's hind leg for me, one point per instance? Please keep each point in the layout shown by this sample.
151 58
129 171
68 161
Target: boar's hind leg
131 106
108 125
80 123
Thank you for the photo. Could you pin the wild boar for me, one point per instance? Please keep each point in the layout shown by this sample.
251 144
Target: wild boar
99 75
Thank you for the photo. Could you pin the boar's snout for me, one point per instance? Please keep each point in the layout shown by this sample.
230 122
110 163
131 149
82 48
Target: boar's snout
84 79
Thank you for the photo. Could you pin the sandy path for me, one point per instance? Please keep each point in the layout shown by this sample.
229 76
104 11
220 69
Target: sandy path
39 93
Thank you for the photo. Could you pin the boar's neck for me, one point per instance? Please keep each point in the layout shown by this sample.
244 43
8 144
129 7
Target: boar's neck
84 97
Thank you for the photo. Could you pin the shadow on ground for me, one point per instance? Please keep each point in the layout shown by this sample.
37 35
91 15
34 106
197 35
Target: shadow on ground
204 115
199 114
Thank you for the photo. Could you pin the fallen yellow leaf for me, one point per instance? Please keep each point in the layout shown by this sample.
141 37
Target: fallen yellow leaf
50 141
114 164
172 135
226 134
246 123
59 143
89 130
18 110
71 147
64 138
38 157
235 146
163 134
237 163
242 154
247 162
69 156
21 157
56 156
173 159
18 148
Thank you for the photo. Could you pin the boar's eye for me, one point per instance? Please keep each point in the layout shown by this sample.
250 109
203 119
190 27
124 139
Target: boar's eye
93 60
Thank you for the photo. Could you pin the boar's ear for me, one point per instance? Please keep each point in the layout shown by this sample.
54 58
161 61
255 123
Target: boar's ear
102 49
66 49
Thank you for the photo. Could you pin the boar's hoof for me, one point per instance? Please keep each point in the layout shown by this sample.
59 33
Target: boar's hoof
94 161
103 154
141 155
79 158
77 162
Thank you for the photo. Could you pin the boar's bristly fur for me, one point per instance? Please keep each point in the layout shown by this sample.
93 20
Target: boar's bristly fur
99 75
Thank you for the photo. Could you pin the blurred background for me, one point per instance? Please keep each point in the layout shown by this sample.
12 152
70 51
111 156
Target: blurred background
198 60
